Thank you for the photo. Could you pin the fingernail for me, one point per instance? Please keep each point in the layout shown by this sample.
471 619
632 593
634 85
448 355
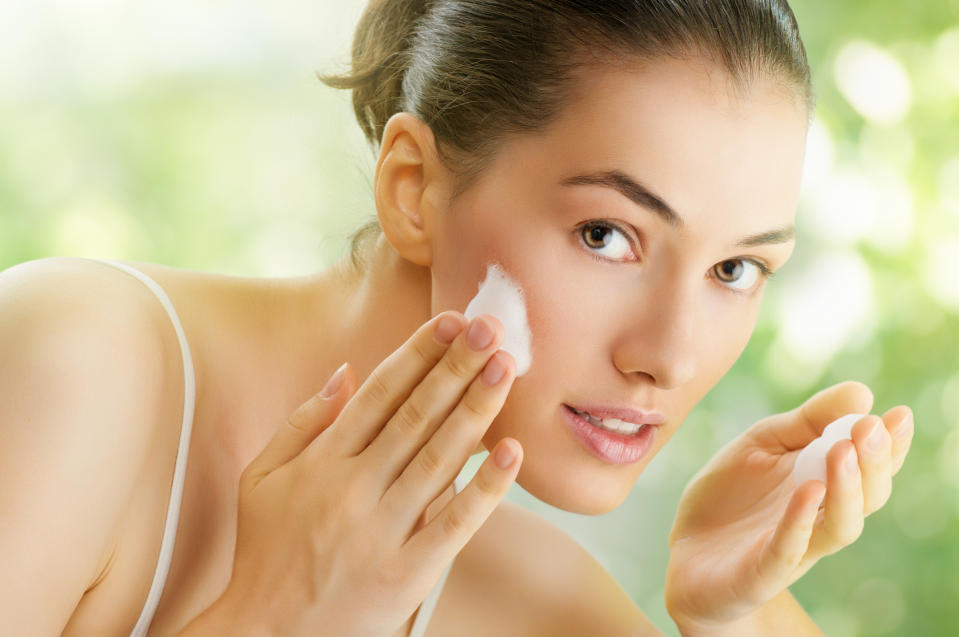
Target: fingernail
447 329
874 439
504 455
904 428
334 383
495 369
852 462
480 335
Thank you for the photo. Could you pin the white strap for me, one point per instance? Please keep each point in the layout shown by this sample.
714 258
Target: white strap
179 473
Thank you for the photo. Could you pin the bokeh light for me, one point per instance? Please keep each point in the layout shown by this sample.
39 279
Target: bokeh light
941 267
830 301
874 82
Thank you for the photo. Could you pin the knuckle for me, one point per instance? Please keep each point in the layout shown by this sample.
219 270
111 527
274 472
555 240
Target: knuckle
430 462
423 354
487 487
473 405
786 555
410 418
377 388
458 367
849 533
454 523
298 421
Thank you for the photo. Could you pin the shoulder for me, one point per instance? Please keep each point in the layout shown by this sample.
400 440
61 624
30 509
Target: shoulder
84 381
85 322
547 582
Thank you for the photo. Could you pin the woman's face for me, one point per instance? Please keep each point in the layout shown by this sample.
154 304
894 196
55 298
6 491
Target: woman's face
630 302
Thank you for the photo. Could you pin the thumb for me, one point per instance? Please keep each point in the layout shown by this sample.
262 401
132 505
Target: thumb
306 423
797 428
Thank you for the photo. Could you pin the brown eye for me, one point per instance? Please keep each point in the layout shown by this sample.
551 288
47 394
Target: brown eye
729 271
598 234
601 236
738 274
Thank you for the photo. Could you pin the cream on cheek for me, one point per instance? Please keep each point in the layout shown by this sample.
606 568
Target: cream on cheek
503 297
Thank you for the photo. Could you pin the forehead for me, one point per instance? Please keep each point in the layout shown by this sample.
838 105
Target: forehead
681 127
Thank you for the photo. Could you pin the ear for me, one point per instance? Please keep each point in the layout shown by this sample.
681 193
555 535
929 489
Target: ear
410 187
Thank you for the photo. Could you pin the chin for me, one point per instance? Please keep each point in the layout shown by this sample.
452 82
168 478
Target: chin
590 495
561 473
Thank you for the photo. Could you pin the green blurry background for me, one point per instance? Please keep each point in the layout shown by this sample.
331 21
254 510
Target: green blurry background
194 134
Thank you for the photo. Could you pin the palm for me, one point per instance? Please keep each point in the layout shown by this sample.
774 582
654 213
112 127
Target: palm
727 514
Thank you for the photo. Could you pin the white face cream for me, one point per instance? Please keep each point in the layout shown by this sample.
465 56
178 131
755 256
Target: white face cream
502 297
811 461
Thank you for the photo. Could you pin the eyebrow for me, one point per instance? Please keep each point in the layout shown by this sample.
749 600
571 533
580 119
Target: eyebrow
645 198
637 192
783 235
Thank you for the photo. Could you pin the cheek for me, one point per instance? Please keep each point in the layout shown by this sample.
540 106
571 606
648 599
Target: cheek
725 336
461 252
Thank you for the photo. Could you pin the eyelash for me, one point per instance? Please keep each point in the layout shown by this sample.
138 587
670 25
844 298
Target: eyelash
764 270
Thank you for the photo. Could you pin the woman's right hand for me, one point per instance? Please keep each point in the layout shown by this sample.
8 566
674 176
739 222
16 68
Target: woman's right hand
327 535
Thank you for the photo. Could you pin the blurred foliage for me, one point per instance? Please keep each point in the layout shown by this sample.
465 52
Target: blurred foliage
195 135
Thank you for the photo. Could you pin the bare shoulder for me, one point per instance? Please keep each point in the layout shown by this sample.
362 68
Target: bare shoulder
538 580
81 387
84 315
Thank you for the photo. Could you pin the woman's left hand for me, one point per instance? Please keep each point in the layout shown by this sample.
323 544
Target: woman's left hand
744 531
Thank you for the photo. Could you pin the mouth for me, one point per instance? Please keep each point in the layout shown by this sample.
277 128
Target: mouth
625 421
617 443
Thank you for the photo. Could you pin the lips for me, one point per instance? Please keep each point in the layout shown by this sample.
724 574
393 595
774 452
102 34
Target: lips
609 446
626 414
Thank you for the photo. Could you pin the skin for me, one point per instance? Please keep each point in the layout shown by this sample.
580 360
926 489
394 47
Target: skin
729 165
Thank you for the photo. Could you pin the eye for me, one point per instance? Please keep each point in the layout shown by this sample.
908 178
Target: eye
740 274
602 235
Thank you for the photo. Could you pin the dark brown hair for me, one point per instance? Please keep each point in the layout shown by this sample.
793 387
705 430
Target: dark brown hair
476 71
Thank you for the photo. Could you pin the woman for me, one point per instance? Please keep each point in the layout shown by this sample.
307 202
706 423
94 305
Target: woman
635 167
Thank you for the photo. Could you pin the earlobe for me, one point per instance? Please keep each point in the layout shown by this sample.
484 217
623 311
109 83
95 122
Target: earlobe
406 170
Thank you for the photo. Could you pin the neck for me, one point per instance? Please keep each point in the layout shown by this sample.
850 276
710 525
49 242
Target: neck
335 316
379 308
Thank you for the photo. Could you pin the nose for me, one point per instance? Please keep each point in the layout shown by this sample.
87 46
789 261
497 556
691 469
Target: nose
660 341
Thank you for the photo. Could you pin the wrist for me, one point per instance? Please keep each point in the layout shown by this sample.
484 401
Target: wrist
768 619
690 628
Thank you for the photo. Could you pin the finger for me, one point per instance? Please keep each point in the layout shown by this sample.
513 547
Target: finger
874 448
438 542
303 426
842 516
797 428
389 385
785 549
899 422
442 458
431 402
